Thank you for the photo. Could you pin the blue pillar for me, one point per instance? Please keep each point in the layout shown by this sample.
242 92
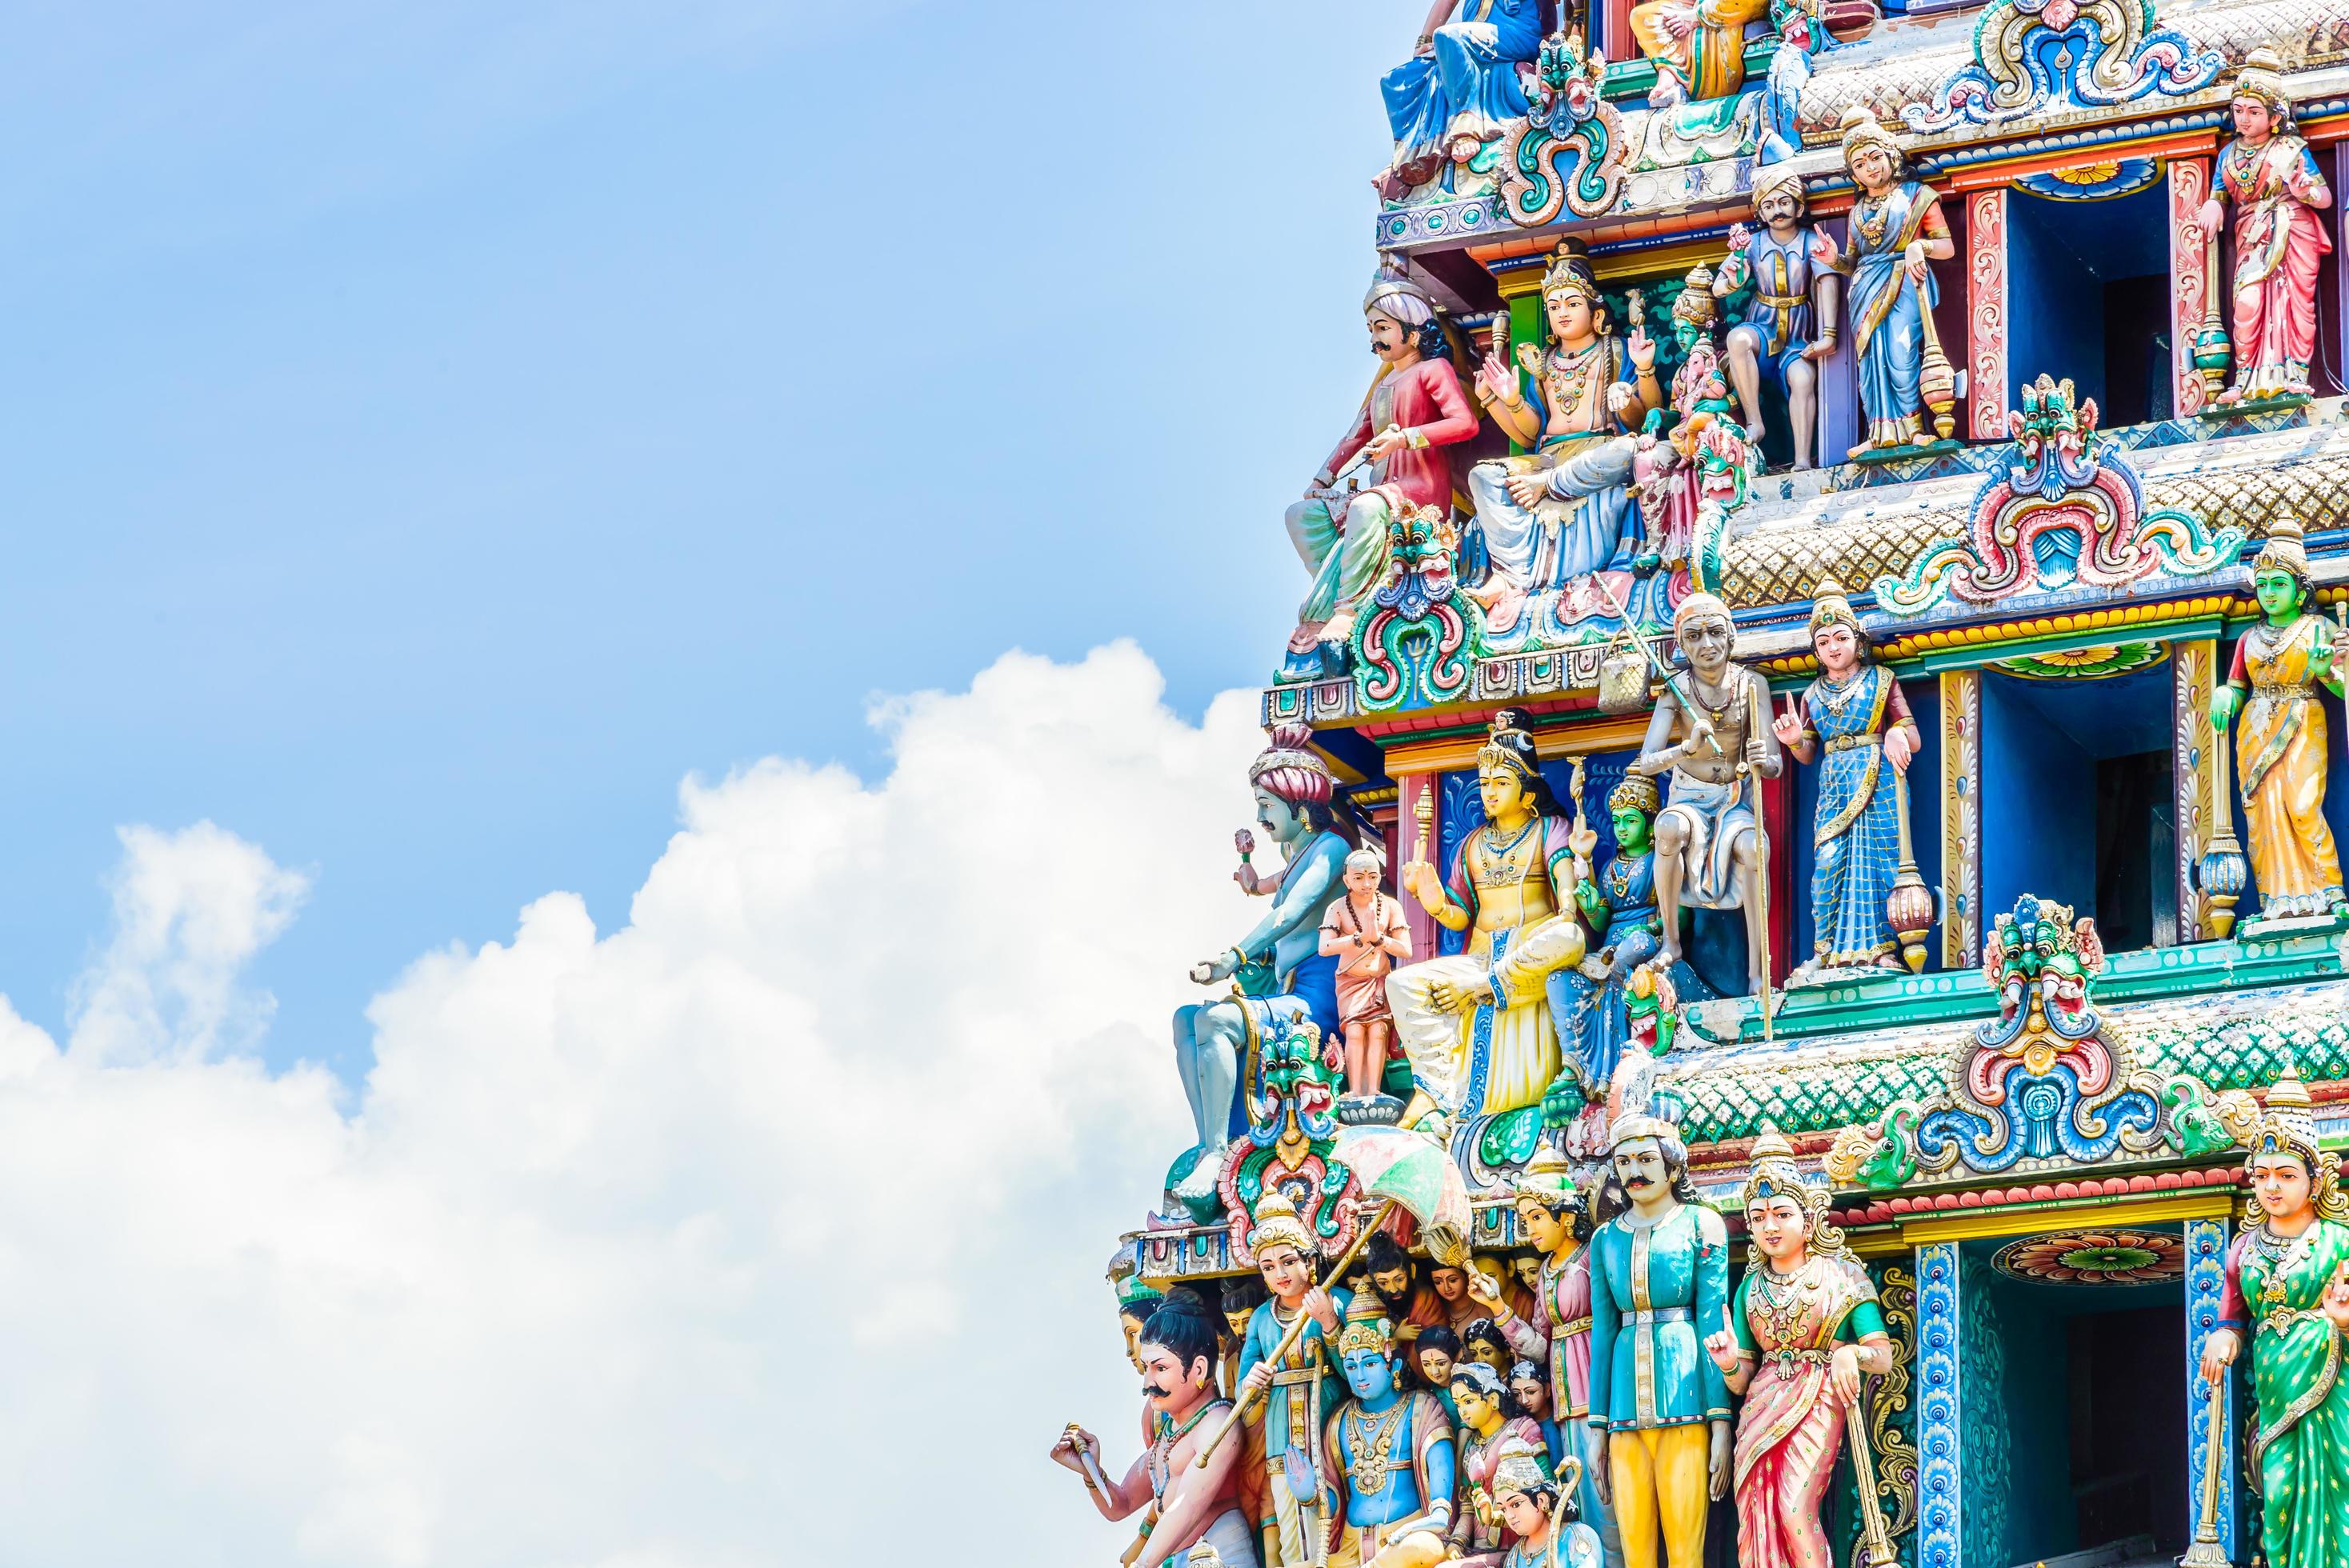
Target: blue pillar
2206 1274
1939 1428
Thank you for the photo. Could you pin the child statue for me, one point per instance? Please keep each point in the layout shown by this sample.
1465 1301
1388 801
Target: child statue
1387 1456
1805 1325
1365 931
2271 176
2279 747
1561 510
1492 1428
1789 326
1659 1268
1856 712
1897 232
1476 1025
2288 1288
1538 1511
1191 1504
1707 851
1412 413
1298 1390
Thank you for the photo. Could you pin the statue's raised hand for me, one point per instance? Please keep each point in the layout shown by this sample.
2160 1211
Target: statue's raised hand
1496 382
1721 1344
1787 725
1420 880
1644 350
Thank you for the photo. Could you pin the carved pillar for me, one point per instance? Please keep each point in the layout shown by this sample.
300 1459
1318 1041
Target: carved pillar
1410 788
1986 314
2205 1265
1940 1442
1960 818
2194 774
2189 284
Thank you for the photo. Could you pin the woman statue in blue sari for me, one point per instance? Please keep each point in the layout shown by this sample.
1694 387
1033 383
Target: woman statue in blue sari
1897 232
1855 713
1460 87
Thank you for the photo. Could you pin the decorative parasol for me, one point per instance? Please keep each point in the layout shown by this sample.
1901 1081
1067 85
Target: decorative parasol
1409 1171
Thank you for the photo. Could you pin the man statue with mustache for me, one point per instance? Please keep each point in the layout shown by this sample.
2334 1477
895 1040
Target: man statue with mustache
1659 1270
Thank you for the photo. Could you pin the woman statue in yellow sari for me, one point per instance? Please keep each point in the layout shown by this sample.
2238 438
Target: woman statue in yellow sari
1803 1327
2279 748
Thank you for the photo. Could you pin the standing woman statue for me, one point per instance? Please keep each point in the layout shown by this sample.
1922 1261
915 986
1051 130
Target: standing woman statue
2271 176
2279 747
1856 712
1805 1325
1280 964
2288 1288
1897 232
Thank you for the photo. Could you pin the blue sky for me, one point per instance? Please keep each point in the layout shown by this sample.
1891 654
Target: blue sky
434 430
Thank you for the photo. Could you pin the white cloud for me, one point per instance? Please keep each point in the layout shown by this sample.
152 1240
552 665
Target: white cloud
765 1230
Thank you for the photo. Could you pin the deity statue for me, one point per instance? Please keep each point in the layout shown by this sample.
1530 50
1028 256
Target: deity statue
1803 37
1136 1303
1365 931
1279 965
1412 1303
1897 232
1476 1025
1432 1355
1534 1507
2281 746
1707 850
1386 1456
1189 1503
2288 1288
1298 1390
1242 1294
1481 1341
2272 177
1805 1325
1698 46
1556 1218
1561 510
1856 712
1413 411
1659 1268
1619 906
1459 88
1789 326
1492 1428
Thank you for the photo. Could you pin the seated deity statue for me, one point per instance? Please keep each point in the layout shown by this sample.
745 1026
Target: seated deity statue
1476 1025
1460 87
1698 46
1563 509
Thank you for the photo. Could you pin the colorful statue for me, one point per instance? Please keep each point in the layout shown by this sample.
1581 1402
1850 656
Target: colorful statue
1789 326
1855 711
1492 1428
1459 88
2288 1288
1530 1507
1189 1503
1708 855
1136 1303
1300 1390
1413 411
1365 931
1619 906
2272 177
2281 747
1530 1385
1412 1303
1897 232
1555 1217
1699 46
1279 965
1658 1269
1561 510
1477 1027
1805 1325
1803 37
1386 1456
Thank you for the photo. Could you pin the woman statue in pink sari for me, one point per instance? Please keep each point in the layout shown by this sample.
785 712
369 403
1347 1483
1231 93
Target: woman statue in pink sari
2270 175
1803 1327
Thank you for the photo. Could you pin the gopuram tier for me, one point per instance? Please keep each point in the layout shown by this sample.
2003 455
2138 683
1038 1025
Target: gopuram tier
1798 1014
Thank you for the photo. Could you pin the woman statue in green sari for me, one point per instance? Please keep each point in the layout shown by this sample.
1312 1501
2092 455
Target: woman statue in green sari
2288 1287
